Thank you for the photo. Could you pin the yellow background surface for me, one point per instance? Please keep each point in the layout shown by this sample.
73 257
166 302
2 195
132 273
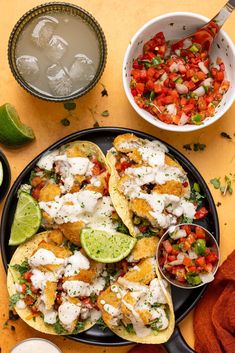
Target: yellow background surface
120 20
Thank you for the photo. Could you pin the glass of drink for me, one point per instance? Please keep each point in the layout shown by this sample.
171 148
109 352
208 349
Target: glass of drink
57 51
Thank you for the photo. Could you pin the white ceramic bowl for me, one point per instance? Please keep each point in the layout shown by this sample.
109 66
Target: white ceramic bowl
175 26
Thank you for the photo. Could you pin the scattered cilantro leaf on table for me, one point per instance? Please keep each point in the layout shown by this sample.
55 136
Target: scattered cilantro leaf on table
105 113
70 106
194 147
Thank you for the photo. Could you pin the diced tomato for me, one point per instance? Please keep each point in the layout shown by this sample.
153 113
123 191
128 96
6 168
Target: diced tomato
200 233
211 258
140 87
143 229
200 261
23 287
171 258
157 88
201 213
201 76
27 276
150 85
201 103
86 301
36 191
192 269
191 238
219 76
187 228
188 108
151 72
134 92
33 289
29 300
167 246
187 261
36 181
34 309
143 76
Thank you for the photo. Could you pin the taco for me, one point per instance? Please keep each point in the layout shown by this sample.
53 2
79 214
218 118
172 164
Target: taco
137 306
53 286
149 188
71 187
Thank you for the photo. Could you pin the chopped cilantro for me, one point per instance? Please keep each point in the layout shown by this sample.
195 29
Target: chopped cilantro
65 122
96 124
129 328
122 228
185 219
101 324
218 204
59 329
199 147
79 326
22 268
13 300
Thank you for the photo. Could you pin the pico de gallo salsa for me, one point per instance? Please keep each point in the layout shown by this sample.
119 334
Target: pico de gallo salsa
178 86
188 256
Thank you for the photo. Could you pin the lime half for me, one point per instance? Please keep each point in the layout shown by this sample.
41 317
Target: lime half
27 219
1 173
12 131
106 247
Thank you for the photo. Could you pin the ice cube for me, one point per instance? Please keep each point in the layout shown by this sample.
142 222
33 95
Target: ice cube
44 30
28 67
59 80
82 69
56 48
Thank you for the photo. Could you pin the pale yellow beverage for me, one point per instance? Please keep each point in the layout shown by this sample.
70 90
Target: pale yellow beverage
35 345
58 54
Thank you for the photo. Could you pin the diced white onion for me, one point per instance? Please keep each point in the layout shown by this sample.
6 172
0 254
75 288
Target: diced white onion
200 91
207 82
181 256
206 277
173 67
178 233
163 77
171 109
192 255
178 52
187 43
203 67
181 88
183 119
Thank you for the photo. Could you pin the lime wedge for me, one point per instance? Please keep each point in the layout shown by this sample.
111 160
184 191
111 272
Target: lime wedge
106 247
12 130
1 173
27 219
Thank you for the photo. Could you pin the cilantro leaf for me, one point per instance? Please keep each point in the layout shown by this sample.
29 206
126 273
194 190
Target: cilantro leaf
79 326
104 92
105 113
101 324
13 300
65 122
215 182
70 106
21 268
199 147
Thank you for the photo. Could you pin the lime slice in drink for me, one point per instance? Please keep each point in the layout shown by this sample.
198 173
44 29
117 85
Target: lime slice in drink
27 219
12 131
106 247
1 173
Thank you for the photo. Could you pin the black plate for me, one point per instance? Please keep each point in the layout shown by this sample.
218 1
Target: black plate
184 300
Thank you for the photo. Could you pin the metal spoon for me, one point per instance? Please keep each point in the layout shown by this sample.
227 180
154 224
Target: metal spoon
204 36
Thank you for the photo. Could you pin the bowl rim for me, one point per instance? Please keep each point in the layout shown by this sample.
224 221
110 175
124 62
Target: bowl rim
36 339
147 116
175 283
103 53
6 175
